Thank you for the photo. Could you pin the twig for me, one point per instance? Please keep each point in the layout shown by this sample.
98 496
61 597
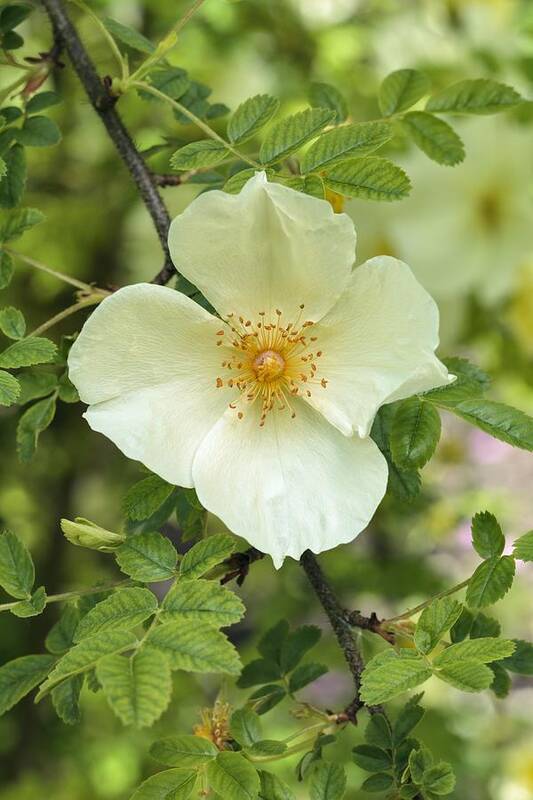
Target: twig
103 102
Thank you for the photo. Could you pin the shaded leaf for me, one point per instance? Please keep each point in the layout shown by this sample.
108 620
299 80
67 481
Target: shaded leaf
328 781
521 661
20 676
206 554
13 183
523 547
145 497
65 699
415 433
31 424
323 95
371 758
14 223
305 674
17 572
39 132
296 645
402 89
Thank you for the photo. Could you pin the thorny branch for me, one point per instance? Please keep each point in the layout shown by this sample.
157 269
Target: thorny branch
65 35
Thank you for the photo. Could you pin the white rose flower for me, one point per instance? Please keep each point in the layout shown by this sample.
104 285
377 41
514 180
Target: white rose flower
266 410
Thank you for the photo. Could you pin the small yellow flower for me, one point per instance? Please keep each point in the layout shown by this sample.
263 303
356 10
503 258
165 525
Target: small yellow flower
215 724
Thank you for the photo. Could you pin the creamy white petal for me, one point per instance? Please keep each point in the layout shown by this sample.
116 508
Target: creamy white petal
293 485
267 248
147 361
377 345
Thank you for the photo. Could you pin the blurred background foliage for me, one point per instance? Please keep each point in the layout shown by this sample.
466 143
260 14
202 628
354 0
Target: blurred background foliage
467 233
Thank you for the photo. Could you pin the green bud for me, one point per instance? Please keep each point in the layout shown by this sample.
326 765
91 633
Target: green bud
85 533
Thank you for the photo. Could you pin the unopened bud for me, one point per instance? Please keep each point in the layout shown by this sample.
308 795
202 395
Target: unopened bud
84 533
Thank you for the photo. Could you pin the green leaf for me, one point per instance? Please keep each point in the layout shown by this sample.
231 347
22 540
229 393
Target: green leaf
261 670
341 144
233 777
328 781
267 747
323 95
60 638
499 420
407 719
205 153
288 135
206 554
13 183
267 697
296 645
521 661
415 433
122 610
172 784
420 760
483 650
273 788
501 685
434 137
14 223
138 688
245 727
434 621
390 673
145 497
85 655
34 385
26 352
439 779
467 675
12 322
172 81
402 89
477 96
403 483
378 783
147 557
184 751
9 389
490 582
272 641
12 15
305 674
195 647
20 676
17 573
250 117
202 600
31 424
483 626
370 178
487 536
6 268
41 101
234 184
31 607
128 36
65 699
371 758
523 547
378 732
39 132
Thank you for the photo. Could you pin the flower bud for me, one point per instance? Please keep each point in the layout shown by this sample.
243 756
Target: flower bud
84 533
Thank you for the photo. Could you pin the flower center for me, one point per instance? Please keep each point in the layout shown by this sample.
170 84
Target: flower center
270 362
268 366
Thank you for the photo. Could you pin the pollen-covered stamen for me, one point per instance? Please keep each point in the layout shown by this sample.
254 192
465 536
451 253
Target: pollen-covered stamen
270 361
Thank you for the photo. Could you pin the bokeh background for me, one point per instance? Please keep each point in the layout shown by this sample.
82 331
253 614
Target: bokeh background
467 233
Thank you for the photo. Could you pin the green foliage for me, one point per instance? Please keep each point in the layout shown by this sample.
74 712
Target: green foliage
65 699
324 95
13 183
328 781
390 673
137 688
9 389
468 675
305 674
145 497
206 554
403 482
12 323
39 131
487 536
344 143
370 178
273 788
415 433
195 646
32 423
122 610
147 557
14 223
233 777
501 421
402 89
41 101
60 638
478 96
291 133
172 784
434 137
190 514
490 582
205 153
372 758
6 268
128 36
32 606
250 117
245 727
523 547
26 352
521 661
186 751
434 622
202 600
17 573
20 676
